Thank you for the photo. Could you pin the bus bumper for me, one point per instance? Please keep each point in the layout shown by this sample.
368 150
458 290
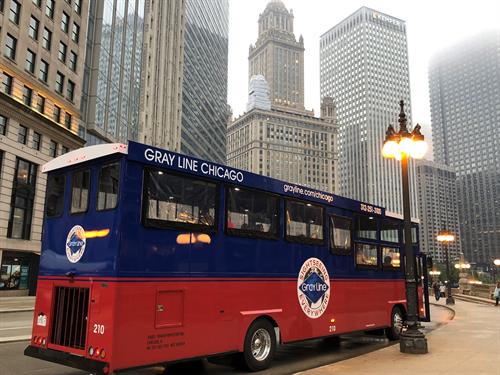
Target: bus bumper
67 359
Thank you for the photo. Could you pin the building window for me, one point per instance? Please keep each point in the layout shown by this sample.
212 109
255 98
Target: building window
75 34
46 39
62 51
22 134
40 104
37 140
3 125
1 5
56 114
15 11
7 84
65 22
27 95
38 3
67 120
64 150
44 71
49 8
77 6
70 91
30 61
73 57
53 149
10 47
33 30
23 194
60 83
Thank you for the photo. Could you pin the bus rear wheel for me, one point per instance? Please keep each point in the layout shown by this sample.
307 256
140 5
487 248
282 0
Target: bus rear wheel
259 346
397 318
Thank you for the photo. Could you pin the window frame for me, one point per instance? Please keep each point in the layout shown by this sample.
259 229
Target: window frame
65 25
17 13
305 240
30 64
246 232
12 49
47 39
35 142
5 121
83 170
355 230
34 28
49 10
334 250
25 135
108 164
166 224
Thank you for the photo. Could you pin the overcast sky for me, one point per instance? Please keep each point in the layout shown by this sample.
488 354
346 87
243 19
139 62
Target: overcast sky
431 26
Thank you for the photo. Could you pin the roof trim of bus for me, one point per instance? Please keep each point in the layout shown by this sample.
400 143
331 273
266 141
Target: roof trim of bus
84 154
399 216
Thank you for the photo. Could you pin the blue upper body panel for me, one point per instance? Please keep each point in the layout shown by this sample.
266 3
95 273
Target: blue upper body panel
133 250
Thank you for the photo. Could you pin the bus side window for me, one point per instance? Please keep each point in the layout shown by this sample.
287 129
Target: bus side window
54 204
177 201
304 222
80 184
251 213
366 227
107 195
340 235
391 258
366 255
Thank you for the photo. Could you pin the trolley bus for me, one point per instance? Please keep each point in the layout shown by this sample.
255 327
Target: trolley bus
150 257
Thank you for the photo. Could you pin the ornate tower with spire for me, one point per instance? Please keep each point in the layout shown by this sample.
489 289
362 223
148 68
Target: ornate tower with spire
279 57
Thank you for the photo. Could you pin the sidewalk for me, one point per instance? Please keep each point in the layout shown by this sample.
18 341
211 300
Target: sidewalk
16 304
469 344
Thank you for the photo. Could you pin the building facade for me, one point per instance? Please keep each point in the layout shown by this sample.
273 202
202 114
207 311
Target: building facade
438 208
41 65
204 88
162 69
279 57
112 74
298 148
364 68
464 82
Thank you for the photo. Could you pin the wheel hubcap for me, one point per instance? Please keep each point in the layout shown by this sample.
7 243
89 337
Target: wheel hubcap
397 322
261 344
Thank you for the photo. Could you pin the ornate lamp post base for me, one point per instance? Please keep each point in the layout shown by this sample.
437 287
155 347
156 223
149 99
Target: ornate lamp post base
412 341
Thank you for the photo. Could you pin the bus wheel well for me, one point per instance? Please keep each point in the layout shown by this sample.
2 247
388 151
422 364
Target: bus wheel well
402 308
273 322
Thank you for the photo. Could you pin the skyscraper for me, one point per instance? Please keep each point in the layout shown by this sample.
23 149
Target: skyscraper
112 76
364 68
204 88
279 57
277 137
464 85
162 70
41 66
438 207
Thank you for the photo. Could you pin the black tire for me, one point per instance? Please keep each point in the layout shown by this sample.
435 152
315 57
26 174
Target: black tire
397 318
332 342
259 347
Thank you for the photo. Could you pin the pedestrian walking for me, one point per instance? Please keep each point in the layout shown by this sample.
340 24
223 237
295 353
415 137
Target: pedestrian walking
442 290
435 287
496 293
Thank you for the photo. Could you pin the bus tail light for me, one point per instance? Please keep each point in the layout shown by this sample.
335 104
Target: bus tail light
97 352
39 341
103 353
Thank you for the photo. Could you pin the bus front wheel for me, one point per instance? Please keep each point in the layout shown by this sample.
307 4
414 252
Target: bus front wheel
397 318
260 346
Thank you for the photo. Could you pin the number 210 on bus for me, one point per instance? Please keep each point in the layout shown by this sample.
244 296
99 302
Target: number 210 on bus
151 257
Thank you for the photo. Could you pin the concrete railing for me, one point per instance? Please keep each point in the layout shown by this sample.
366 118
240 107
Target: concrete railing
477 290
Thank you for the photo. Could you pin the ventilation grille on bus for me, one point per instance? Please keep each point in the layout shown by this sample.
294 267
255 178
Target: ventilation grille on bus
69 325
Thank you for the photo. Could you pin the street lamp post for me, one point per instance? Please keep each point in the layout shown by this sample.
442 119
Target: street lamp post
401 145
462 266
445 237
496 264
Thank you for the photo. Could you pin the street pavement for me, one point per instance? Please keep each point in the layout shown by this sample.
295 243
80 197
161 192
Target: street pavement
468 344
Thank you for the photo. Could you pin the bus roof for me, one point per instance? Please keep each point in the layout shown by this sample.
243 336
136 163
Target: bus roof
164 158
84 154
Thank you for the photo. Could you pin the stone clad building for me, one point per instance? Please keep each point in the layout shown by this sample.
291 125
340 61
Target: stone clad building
41 65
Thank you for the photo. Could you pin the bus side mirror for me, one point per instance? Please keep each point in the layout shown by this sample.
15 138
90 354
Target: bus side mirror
429 262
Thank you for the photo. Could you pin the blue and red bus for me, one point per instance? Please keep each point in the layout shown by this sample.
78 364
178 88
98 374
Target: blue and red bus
151 257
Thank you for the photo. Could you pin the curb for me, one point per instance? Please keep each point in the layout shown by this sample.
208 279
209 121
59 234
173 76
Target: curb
23 309
446 307
474 300
4 340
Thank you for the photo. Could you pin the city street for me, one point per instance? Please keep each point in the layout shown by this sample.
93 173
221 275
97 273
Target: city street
289 359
